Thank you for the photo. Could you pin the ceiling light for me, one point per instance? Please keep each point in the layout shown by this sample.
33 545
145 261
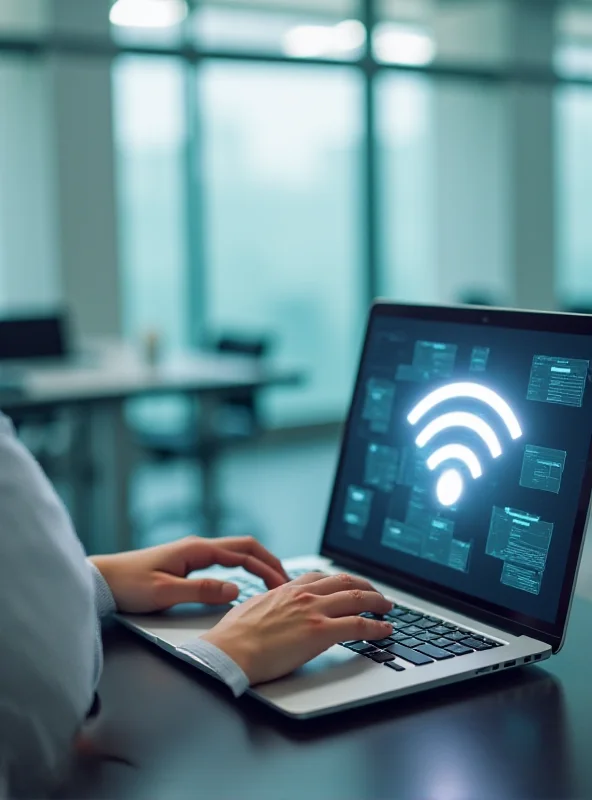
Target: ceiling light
317 41
148 13
396 44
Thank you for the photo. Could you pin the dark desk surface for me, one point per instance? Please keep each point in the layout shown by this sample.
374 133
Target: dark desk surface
523 734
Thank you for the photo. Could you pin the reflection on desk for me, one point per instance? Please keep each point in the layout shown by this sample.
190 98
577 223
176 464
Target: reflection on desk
514 735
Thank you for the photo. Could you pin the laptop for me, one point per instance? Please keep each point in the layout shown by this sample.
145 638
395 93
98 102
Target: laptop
462 492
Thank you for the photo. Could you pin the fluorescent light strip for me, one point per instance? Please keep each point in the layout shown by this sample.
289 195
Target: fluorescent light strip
148 13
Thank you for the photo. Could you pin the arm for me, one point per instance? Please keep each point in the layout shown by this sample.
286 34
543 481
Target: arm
48 664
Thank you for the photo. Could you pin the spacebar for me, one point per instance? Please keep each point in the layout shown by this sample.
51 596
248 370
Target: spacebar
409 655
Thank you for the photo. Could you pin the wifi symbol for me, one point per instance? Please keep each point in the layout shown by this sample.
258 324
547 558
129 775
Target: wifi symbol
450 483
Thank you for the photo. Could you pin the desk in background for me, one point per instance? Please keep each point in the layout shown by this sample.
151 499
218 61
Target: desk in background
515 735
98 386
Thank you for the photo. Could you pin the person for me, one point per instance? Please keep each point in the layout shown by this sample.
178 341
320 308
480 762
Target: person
52 597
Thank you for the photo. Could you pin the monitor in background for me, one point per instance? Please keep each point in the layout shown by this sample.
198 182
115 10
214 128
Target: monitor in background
32 337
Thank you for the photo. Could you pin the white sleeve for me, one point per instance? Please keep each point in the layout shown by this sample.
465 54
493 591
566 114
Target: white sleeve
47 624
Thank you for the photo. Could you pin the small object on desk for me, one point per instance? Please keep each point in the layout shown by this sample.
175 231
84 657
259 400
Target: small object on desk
152 347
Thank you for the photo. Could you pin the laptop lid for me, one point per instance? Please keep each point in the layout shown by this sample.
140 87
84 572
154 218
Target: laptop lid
465 467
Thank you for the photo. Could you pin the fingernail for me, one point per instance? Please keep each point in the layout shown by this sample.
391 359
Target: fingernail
228 589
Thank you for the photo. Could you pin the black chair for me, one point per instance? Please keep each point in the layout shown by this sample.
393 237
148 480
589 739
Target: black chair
237 418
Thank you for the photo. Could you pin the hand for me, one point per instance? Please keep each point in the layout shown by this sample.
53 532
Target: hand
156 578
272 634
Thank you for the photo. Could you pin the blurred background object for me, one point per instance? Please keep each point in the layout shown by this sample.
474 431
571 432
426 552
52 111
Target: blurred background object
173 170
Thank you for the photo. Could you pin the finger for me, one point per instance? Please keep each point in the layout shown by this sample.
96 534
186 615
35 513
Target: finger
194 553
249 545
202 590
310 577
329 584
354 601
348 629
228 558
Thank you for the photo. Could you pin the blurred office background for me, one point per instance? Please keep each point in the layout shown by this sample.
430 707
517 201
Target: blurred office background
191 169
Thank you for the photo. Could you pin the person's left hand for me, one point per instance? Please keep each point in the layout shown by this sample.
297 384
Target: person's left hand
154 579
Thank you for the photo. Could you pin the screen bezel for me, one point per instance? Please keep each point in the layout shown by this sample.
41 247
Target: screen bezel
489 613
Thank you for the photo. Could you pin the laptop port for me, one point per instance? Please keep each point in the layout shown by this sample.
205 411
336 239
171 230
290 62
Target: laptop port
538 657
495 666
510 663
527 659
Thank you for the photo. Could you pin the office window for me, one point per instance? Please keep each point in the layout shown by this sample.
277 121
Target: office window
23 17
282 183
573 43
444 200
150 137
407 190
419 32
574 190
29 276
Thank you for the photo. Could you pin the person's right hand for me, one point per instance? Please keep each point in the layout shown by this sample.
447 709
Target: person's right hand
274 633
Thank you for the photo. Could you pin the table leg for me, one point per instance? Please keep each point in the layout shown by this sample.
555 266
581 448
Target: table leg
211 502
125 462
80 477
115 452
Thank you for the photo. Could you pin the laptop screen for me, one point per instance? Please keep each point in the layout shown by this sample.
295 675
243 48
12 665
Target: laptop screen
465 456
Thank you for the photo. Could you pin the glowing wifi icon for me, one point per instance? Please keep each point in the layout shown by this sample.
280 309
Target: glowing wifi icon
450 484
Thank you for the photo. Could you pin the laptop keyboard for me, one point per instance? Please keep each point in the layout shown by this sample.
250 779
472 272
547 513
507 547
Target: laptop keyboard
248 587
417 638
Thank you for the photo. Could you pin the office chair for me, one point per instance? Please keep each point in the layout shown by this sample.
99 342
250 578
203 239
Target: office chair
238 419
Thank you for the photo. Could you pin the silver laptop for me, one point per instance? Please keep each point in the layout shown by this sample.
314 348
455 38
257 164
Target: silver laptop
462 491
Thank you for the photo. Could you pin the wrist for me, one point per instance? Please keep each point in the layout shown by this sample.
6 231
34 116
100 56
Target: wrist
101 563
242 653
104 598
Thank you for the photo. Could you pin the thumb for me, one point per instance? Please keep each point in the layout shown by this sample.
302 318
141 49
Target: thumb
204 590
